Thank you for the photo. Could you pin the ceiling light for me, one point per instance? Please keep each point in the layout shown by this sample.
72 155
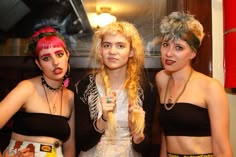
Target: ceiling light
102 18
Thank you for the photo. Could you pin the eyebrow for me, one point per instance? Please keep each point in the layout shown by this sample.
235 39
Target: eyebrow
55 52
46 54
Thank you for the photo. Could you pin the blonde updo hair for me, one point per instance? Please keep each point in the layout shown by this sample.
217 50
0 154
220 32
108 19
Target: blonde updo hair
179 25
134 68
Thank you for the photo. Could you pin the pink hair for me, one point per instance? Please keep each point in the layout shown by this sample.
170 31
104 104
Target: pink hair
47 41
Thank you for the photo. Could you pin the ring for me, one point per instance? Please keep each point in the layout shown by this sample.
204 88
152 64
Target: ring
108 100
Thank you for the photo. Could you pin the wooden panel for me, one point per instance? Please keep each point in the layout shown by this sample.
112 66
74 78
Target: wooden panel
202 10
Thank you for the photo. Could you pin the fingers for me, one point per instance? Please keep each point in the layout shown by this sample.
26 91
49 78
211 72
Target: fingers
25 152
138 138
136 116
19 154
108 103
136 109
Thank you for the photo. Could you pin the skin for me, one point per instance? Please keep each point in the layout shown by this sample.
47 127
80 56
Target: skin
115 51
53 63
203 91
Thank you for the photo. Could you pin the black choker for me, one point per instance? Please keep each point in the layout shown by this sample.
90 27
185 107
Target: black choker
49 87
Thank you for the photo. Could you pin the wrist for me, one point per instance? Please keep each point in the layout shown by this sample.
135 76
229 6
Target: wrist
97 128
104 119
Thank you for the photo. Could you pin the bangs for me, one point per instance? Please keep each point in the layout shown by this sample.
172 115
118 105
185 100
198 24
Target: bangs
117 28
188 36
49 42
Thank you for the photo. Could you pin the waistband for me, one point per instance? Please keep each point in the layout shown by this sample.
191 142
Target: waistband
193 155
39 149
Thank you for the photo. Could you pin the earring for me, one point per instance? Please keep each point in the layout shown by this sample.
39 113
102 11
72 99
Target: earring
66 79
68 71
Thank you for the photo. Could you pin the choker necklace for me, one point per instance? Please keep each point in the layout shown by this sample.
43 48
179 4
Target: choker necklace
169 100
49 87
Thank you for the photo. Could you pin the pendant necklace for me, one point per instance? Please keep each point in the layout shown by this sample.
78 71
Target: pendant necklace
169 101
54 109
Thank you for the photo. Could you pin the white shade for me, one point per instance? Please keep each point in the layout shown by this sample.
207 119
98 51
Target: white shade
104 19
100 20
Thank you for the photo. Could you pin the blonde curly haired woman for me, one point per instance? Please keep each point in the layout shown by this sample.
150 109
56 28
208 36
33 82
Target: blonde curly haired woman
114 105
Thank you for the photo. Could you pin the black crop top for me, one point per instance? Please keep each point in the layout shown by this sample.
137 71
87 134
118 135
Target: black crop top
185 119
41 124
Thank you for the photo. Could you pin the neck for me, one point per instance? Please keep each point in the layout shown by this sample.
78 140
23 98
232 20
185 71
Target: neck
181 76
53 88
117 82
177 96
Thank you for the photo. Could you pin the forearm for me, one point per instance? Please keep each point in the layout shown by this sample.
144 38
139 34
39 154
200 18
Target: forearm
163 151
101 124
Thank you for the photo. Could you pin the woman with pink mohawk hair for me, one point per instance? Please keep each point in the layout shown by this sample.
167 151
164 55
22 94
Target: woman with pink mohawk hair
42 106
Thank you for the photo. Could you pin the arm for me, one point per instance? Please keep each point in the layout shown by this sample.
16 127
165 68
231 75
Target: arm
218 108
148 106
163 146
14 100
69 145
85 133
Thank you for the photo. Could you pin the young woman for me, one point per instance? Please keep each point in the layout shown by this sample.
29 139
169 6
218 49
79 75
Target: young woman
194 108
114 105
43 108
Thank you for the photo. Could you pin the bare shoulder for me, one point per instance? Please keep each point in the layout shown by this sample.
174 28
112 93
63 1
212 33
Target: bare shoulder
161 77
70 93
210 88
29 84
160 74
208 82
70 96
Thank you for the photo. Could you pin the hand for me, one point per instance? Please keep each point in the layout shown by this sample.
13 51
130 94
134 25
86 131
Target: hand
25 152
108 104
136 116
138 138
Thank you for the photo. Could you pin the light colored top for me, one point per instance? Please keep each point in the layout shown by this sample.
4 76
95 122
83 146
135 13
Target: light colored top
120 145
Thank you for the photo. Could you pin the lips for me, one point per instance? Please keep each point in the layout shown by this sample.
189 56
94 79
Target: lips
169 62
111 59
57 71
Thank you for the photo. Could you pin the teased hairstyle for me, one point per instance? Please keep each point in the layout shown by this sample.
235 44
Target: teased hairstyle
134 68
182 26
44 38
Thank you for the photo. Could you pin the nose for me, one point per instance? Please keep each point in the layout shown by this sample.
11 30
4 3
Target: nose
55 61
112 50
169 51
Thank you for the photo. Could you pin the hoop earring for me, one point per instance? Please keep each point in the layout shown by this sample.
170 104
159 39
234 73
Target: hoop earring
68 71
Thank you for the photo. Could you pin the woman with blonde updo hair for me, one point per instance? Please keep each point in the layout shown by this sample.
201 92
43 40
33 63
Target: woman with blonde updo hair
194 112
115 103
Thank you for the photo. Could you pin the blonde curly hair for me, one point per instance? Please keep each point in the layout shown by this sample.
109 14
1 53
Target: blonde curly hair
134 68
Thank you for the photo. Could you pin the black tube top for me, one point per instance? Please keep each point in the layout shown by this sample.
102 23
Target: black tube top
185 119
41 124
